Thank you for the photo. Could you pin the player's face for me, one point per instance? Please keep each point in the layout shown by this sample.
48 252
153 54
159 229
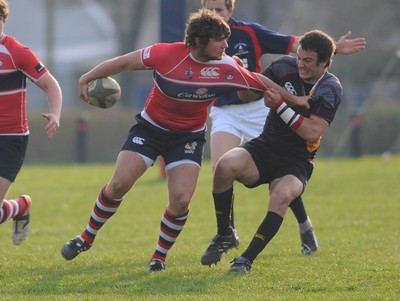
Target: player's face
219 7
310 70
214 50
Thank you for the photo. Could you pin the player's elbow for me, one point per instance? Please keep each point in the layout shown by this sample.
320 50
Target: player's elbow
312 135
311 138
311 130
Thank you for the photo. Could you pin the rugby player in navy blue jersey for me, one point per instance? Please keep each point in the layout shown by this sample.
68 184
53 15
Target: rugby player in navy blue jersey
234 122
283 154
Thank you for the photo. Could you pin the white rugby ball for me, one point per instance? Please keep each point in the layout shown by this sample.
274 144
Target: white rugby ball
104 92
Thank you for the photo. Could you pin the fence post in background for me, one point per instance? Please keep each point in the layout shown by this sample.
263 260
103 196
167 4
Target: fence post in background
82 125
355 139
172 27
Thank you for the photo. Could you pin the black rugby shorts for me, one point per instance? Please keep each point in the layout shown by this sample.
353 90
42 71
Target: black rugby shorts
150 141
272 164
12 155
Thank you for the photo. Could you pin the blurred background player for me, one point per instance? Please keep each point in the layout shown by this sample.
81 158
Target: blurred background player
17 63
235 122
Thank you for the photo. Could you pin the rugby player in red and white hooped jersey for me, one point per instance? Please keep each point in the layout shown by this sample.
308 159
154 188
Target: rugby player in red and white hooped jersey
187 78
17 63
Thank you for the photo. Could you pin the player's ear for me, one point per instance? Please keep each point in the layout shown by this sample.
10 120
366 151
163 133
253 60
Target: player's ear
197 41
326 63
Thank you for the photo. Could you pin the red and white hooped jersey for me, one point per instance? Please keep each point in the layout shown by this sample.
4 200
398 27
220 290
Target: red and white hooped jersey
17 62
183 88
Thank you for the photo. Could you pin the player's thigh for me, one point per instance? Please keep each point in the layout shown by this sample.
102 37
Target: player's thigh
237 164
220 143
182 180
129 167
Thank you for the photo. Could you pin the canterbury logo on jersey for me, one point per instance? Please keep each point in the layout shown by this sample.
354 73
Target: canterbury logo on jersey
290 88
138 140
210 72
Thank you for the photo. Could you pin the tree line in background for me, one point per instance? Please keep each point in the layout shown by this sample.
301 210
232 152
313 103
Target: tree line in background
368 121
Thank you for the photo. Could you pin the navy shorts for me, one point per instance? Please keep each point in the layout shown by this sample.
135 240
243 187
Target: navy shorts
12 155
151 142
272 164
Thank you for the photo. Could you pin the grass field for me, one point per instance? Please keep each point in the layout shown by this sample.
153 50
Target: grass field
354 206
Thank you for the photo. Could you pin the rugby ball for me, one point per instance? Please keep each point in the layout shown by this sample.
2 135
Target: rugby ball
104 92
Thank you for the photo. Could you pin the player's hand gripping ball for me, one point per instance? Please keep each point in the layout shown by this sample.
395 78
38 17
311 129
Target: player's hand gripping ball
104 92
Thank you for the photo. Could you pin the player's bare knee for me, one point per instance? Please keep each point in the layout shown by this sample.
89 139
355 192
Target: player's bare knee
117 189
227 166
180 204
280 198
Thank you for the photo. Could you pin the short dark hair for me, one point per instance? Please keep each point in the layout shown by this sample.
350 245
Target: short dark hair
4 9
321 43
204 25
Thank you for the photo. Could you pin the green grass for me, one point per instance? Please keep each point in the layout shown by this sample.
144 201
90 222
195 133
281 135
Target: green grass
354 206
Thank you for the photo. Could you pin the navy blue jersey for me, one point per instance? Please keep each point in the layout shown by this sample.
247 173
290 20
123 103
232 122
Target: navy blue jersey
326 96
249 41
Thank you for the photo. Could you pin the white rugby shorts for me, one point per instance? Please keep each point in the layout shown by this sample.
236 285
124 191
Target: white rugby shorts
245 121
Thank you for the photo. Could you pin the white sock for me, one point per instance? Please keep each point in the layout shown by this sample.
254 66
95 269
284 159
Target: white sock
304 227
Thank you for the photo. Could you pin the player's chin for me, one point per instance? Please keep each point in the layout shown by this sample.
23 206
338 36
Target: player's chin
304 75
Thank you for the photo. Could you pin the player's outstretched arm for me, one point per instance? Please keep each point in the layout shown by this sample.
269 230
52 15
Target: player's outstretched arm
127 62
346 45
300 101
250 95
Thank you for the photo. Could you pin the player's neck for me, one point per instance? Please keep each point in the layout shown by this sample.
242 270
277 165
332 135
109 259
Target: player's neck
197 57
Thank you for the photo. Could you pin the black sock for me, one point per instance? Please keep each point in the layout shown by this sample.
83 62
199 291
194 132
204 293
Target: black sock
299 210
232 213
267 230
223 204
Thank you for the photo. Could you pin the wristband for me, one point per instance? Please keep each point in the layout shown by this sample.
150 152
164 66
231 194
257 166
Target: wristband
288 115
